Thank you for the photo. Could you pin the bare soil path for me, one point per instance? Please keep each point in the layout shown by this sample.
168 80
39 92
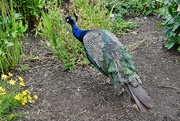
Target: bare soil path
80 95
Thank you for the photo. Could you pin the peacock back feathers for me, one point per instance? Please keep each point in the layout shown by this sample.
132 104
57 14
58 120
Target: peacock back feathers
108 53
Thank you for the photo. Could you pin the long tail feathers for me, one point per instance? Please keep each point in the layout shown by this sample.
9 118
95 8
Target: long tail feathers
139 95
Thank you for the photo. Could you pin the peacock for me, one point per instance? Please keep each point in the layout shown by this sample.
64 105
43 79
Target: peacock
107 54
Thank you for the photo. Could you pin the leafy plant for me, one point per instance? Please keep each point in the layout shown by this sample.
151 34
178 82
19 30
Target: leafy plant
171 22
11 33
30 9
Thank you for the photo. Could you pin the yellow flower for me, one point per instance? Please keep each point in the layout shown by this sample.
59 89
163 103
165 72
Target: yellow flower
20 78
1 88
2 91
25 92
4 77
18 96
10 74
30 99
12 82
21 83
35 97
24 101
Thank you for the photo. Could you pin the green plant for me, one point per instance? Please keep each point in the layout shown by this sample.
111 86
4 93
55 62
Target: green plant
11 33
60 42
13 96
138 7
120 26
171 22
92 14
30 9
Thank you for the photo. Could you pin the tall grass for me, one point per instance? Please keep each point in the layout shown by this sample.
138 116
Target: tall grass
11 33
92 14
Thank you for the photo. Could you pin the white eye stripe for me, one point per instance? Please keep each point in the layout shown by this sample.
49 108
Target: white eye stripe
67 19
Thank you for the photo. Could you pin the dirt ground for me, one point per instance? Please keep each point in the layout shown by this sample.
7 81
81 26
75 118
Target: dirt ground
84 95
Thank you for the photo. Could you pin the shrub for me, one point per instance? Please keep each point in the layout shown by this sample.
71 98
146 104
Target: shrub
171 22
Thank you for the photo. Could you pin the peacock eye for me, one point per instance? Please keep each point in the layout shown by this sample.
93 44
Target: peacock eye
67 20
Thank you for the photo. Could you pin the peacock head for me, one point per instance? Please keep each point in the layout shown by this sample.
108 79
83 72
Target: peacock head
77 32
70 20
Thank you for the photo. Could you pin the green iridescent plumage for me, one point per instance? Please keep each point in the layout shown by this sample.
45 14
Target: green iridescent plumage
110 56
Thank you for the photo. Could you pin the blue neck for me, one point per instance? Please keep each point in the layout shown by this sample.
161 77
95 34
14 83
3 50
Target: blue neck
78 33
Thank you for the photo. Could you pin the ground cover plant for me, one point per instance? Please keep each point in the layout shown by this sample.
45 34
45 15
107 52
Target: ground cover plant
136 7
13 95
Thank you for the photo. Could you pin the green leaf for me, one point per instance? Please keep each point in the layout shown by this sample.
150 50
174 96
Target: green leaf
178 39
170 11
170 44
111 69
14 34
168 32
178 9
164 1
159 25
176 25
9 44
125 63
18 16
178 48
163 11
127 55
127 71
2 53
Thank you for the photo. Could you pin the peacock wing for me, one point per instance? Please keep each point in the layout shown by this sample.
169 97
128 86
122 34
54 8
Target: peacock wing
94 45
